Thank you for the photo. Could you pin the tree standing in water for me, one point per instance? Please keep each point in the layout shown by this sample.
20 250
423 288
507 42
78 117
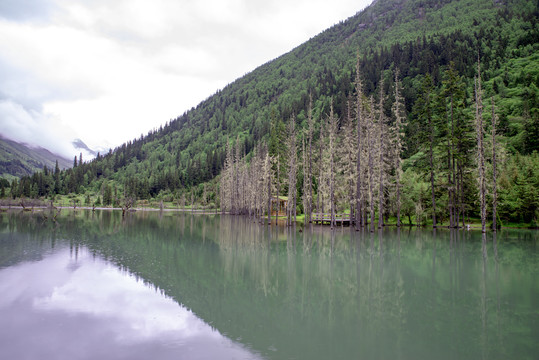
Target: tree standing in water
292 171
398 107
480 147
494 184
359 124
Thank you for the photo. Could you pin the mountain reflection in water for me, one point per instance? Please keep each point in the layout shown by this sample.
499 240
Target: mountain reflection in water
191 286
62 307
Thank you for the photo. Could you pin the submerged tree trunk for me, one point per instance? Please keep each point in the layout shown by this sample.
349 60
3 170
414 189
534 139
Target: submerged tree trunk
359 190
267 173
319 202
349 165
480 147
309 189
431 162
494 185
397 108
370 139
292 171
332 136
381 134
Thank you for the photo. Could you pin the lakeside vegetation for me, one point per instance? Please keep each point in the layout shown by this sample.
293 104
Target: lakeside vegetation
413 87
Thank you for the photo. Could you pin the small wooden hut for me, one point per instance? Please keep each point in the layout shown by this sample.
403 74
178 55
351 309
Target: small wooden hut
278 205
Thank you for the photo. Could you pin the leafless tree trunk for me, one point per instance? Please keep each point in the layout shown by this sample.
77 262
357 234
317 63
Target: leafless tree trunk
381 134
319 201
278 187
480 146
267 175
451 168
431 163
309 183
292 171
359 123
399 123
370 140
332 141
494 179
350 162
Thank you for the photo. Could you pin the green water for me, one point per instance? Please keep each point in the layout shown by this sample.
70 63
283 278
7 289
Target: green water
181 286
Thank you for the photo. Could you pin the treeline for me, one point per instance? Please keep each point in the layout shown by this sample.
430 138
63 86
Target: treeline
355 163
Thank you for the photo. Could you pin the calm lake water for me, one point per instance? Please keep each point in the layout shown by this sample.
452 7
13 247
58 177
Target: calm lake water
180 286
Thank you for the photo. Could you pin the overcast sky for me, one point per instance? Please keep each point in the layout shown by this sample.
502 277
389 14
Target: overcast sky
108 71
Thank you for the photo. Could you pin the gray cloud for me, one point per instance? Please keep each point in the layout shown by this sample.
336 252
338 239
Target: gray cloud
23 10
20 124
107 71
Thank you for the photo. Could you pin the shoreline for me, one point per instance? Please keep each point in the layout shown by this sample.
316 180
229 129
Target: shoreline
213 212
33 208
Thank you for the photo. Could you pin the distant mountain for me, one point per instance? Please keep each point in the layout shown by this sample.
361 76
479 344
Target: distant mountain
17 160
435 45
80 145
418 37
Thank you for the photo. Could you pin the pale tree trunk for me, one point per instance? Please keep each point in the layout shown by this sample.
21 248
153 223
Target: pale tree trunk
431 163
227 180
370 140
381 134
332 138
351 176
359 108
452 170
319 201
278 187
310 159
292 170
494 179
267 173
399 123
480 146
305 187
449 161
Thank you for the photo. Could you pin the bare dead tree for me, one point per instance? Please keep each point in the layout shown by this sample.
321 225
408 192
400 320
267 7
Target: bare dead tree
127 203
494 179
371 149
349 166
381 150
332 122
359 123
292 171
480 146
398 108
267 179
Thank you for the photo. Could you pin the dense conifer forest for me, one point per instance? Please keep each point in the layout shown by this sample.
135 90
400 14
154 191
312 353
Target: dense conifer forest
409 112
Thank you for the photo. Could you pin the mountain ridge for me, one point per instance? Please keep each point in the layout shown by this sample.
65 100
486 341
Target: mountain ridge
19 159
419 38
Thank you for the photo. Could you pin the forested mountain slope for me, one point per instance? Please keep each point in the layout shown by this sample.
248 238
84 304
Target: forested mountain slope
18 160
422 39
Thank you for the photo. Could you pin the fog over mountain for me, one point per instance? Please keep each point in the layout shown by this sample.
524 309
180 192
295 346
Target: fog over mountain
107 72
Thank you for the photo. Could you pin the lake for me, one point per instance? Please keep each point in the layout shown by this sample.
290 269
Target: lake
172 285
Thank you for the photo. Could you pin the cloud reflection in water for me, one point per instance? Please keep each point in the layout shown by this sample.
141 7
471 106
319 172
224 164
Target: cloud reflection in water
86 308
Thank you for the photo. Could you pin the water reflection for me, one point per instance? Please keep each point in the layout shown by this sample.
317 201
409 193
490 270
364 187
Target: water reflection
318 294
72 304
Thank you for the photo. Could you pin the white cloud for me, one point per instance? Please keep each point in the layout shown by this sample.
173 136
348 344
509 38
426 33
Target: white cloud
114 310
111 71
18 120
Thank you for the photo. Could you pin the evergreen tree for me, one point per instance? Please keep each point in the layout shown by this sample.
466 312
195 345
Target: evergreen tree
424 108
